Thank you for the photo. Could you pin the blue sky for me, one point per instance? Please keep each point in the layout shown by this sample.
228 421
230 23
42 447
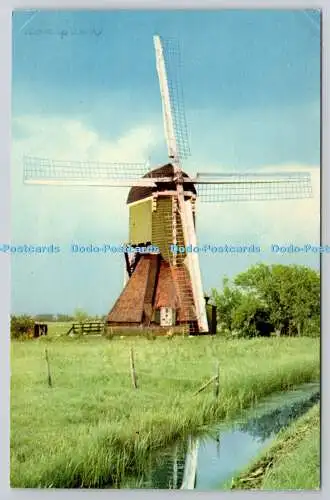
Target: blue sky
85 87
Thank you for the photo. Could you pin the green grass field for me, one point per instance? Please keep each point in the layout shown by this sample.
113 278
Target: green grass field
292 462
92 426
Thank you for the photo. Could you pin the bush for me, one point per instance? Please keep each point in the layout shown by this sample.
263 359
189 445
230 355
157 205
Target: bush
312 327
21 327
251 318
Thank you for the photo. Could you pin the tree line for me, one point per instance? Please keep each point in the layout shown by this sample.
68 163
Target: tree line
268 299
78 315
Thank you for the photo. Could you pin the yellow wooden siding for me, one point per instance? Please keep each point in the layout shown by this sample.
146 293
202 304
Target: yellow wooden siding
162 225
140 222
162 232
146 225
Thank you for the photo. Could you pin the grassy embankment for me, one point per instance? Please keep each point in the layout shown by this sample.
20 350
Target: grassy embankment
292 462
92 426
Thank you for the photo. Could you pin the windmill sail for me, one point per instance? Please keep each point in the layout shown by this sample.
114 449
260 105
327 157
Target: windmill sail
168 64
189 234
190 470
84 173
253 186
177 144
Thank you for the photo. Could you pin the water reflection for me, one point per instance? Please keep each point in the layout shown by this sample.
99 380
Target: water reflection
271 423
208 461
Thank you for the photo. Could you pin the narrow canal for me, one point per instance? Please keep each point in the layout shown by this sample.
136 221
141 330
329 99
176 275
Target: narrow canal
209 461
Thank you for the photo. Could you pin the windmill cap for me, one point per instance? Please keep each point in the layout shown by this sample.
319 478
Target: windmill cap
138 193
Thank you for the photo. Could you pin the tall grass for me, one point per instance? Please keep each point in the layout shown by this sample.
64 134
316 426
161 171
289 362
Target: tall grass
92 426
298 465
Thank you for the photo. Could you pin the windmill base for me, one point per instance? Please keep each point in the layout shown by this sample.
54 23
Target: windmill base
157 297
147 331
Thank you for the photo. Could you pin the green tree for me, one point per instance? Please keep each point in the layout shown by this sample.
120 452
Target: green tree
226 302
45 317
290 293
251 317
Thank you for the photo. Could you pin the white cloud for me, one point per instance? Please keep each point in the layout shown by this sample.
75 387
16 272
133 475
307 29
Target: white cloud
45 213
66 139
265 222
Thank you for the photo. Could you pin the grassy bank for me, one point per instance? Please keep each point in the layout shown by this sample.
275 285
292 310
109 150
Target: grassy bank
291 463
91 426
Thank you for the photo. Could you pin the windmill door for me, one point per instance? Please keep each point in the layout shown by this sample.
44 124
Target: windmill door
167 316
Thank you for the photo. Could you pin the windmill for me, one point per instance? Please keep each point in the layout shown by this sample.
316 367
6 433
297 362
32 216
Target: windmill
164 289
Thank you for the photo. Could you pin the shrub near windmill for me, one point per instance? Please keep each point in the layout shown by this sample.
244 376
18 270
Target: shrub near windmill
164 290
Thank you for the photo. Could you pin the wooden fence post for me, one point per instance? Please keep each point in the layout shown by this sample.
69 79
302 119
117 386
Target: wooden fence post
50 384
216 381
133 371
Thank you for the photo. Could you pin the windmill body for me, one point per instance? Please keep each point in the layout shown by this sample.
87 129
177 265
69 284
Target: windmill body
159 291
164 289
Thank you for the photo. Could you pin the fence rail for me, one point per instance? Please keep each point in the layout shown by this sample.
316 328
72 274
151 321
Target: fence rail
87 327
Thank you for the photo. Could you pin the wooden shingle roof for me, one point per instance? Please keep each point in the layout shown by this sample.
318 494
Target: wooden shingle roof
170 288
